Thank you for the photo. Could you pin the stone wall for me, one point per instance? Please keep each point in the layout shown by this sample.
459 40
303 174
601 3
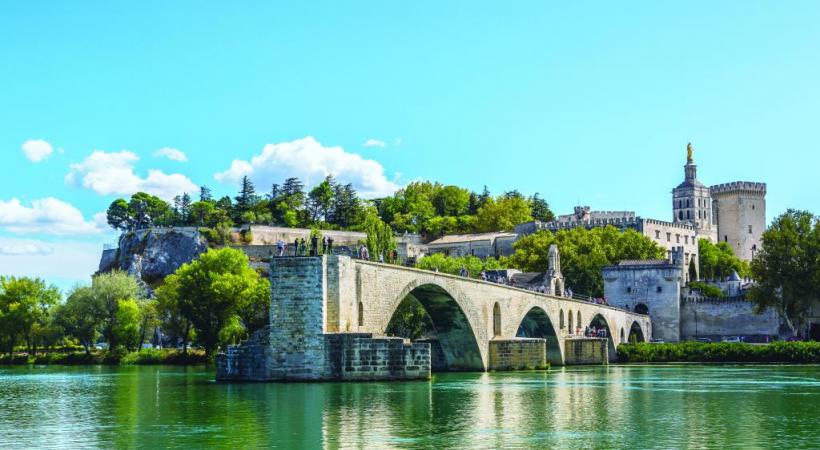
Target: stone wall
360 356
586 351
738 206
657 287
516 354
718 319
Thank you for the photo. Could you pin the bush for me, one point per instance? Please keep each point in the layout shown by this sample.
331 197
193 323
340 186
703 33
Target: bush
775 352
707 290
149 356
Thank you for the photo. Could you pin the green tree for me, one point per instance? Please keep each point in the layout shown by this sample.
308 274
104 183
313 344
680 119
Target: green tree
503 214
81 316
584 253
126 327
24 305
320 199
205 194
246 199
169 313
108 291
541 209
787 268
119 215
718 261
213 289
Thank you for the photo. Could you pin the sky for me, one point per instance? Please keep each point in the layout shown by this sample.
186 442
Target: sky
587 103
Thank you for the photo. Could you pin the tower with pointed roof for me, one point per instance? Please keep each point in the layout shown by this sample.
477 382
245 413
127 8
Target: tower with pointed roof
692 201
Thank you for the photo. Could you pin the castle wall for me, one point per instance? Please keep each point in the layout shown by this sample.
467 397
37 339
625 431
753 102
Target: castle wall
672 235
656 287
716 318
741 215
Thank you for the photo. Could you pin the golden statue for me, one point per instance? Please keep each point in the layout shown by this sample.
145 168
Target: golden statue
689 152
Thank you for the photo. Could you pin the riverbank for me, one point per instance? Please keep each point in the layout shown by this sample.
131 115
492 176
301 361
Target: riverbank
721 352
143 357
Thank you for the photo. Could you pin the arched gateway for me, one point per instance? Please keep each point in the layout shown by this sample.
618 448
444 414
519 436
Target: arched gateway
328 313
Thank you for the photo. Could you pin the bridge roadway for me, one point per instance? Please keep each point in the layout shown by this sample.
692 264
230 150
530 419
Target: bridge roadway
466 313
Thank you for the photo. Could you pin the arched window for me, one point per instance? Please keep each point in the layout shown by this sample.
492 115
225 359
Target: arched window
641 308
496 320
561 319
569 322
361 314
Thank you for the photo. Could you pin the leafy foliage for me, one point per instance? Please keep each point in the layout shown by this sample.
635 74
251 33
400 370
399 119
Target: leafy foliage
718 261
24 305
787 268
708 290
215 292
453 265
780 352
583 253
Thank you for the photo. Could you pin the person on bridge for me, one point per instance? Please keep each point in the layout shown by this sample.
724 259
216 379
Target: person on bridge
280 247
324 245
296 247
463 272
329 245
302 247
314 245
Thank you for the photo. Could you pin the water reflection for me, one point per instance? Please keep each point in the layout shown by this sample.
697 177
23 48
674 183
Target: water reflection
595 407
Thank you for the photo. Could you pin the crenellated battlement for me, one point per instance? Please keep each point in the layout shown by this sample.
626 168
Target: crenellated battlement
739 186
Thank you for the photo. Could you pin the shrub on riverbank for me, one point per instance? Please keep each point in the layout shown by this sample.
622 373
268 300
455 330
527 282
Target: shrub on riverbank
142 357
775 352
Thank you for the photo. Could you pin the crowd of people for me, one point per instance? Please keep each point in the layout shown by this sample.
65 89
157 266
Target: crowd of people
303 248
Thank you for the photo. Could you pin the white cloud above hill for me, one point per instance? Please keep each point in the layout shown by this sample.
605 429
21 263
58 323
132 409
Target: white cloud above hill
171 153
310 161
47 215
37 150
109 173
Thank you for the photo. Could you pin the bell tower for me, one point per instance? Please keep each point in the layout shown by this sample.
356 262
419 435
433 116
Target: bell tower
692 201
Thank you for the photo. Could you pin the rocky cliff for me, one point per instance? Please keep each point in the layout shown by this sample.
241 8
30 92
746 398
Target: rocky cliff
153 254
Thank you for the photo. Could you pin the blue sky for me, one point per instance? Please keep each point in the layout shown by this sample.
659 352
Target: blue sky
587 103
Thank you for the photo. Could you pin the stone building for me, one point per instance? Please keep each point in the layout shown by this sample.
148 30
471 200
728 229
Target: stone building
481 245
678 313
740 211
731 212
692 202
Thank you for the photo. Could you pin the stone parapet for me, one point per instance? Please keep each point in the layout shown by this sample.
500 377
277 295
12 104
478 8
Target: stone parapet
738 186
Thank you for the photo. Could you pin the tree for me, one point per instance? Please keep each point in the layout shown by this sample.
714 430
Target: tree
213 289
718 261
24 304
169 312
205 194
81 317
320 199
126 326
787 268
503 214
584 253
119 215
246 198
541 209
108 291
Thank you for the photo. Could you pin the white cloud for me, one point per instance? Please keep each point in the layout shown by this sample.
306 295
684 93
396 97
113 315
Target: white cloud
171 153
375 143
398 141
63 262
309 160
113 173
24 247
48 215
37 149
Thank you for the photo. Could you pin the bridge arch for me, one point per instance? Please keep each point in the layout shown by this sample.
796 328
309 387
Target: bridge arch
454 329
641 308
636 333
599 321
536 323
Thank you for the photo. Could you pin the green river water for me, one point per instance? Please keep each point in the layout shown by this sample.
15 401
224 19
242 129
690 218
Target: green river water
577 407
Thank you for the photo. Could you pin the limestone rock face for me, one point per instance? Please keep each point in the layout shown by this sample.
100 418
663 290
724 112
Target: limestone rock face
152 255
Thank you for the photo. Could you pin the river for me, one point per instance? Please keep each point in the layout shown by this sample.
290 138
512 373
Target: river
575 407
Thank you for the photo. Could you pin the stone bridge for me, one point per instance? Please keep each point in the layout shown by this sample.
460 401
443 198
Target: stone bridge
317 301
467 314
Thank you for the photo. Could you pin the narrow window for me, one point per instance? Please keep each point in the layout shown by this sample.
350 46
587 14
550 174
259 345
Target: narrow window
628 289
750 229
496 320
657 234
361 314
668 237
677 238
660 289
725 238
